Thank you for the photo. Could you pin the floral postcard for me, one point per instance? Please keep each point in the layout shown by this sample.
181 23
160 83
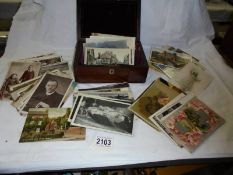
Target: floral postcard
191 124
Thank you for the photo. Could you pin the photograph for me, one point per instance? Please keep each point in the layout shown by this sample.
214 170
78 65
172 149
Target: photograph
166 70
16 87
45 60
107 44
193 78
62 66
103 114
107 37
50 124
50 60
157 96
108 88
107 56
192 123
18 72
49 93
168 58
15 95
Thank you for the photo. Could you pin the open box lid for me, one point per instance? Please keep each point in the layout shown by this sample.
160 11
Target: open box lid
119 17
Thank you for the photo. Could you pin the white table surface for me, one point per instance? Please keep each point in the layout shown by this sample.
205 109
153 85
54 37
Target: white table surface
146 144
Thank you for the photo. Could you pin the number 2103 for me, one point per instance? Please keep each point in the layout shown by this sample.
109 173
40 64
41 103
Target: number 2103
104 141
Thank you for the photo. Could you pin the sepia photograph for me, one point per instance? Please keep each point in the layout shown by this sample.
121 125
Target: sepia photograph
18 72
159 94
45 60
50 124
62 66
193 78
104 114
168 58
167 70
49 92
107 56
15 95
16 87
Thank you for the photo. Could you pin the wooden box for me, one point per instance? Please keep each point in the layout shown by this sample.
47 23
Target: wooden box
118 17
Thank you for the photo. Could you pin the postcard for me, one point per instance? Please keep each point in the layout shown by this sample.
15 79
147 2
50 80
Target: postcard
167 70
104 114
107 44
191 124
120 91
168 58
108 37
62 66
157 96
158 116
45 60
50 124
179 52
108 87
15 95
193 78
16 87
107 56
49 93
18 72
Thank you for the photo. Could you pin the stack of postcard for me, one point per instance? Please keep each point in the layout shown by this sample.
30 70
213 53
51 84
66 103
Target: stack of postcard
50 124
183 70
168 60
104 108
182 117
188 122
159 95
38 82
104 49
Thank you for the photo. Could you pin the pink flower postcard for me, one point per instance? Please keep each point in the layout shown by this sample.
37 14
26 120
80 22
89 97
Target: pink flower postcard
192 123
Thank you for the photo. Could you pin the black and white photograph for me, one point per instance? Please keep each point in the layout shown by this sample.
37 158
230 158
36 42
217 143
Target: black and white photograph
50 60
45 60
107 56
103 114
49 92
62 66
18 72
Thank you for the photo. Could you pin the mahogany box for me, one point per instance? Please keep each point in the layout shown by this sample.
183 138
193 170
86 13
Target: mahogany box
117 17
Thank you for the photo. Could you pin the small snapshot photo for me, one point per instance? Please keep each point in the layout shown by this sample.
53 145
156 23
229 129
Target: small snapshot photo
49 92
168 58
193 78
19 72
50 124
104 114
156 96
107 56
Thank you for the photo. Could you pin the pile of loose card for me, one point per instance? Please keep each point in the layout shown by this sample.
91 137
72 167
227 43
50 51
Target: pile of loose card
38 88
173 106
168 60
104 49
104 108
33 82
182 117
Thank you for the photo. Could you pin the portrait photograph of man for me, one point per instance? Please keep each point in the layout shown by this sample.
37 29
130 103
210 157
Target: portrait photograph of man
49 93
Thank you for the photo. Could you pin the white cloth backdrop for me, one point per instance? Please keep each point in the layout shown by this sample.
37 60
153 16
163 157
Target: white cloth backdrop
42 26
